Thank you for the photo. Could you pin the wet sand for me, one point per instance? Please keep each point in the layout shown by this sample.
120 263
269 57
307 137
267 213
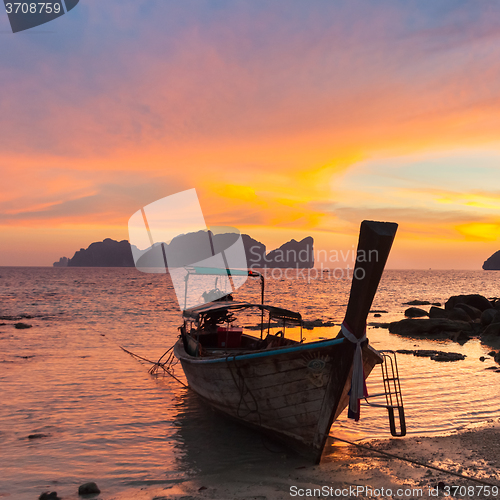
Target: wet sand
473 453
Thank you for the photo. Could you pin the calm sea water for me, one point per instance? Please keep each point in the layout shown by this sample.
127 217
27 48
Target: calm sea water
105 419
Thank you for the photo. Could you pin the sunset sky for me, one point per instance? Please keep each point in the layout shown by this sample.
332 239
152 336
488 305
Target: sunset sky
290 118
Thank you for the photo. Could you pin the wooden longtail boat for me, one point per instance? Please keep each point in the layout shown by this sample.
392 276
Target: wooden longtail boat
290 390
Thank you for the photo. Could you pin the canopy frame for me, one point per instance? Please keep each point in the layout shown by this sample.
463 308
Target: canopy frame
214 271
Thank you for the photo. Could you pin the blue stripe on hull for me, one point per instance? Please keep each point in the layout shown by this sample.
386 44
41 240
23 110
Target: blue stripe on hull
272 352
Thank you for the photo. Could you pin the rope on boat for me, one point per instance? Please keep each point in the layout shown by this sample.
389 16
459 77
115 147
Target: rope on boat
166 366
168 362
416 462
157 365
243 389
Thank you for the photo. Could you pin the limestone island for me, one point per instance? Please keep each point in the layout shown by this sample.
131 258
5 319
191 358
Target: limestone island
492 263
187 249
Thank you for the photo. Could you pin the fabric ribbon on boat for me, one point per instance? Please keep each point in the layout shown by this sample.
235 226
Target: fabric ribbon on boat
358 385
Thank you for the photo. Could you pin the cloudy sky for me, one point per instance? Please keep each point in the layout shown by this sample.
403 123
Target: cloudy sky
289 117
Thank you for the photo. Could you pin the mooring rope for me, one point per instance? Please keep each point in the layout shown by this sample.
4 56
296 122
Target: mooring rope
157 364
416 462
242 386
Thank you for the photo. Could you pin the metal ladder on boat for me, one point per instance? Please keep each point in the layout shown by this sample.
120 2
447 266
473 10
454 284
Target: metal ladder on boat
392 393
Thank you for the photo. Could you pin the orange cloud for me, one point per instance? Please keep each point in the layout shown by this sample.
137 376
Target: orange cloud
480 231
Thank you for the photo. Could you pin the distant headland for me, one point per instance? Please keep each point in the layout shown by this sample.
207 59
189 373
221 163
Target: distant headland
492 263
112 253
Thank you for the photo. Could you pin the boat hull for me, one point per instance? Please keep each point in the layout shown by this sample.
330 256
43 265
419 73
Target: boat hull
291 393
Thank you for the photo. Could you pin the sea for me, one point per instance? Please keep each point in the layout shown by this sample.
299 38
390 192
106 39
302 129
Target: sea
75 407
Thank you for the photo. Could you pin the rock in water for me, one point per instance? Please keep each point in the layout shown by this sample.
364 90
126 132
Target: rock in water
417 303
473 312
38 436
415 312
459 314
22 326
437 312
492 329
487 316
434 355
448 356
428 326
474 300
88 489
49 496
496 317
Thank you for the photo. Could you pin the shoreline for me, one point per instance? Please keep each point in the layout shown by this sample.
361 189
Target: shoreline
471 452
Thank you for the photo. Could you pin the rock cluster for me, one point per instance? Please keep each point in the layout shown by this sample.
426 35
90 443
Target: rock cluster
434 355
84 490
420 303
415 312
309 325
463 317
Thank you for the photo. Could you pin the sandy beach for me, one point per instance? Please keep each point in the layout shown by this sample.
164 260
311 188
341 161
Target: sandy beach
350 472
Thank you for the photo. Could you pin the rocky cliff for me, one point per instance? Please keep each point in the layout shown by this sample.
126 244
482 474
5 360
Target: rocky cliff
107 253
292 254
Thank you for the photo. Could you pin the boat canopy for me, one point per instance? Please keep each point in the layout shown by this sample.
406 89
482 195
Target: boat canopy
218 271
274 312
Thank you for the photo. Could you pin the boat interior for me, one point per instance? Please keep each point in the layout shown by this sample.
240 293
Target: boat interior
214 332
210 329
